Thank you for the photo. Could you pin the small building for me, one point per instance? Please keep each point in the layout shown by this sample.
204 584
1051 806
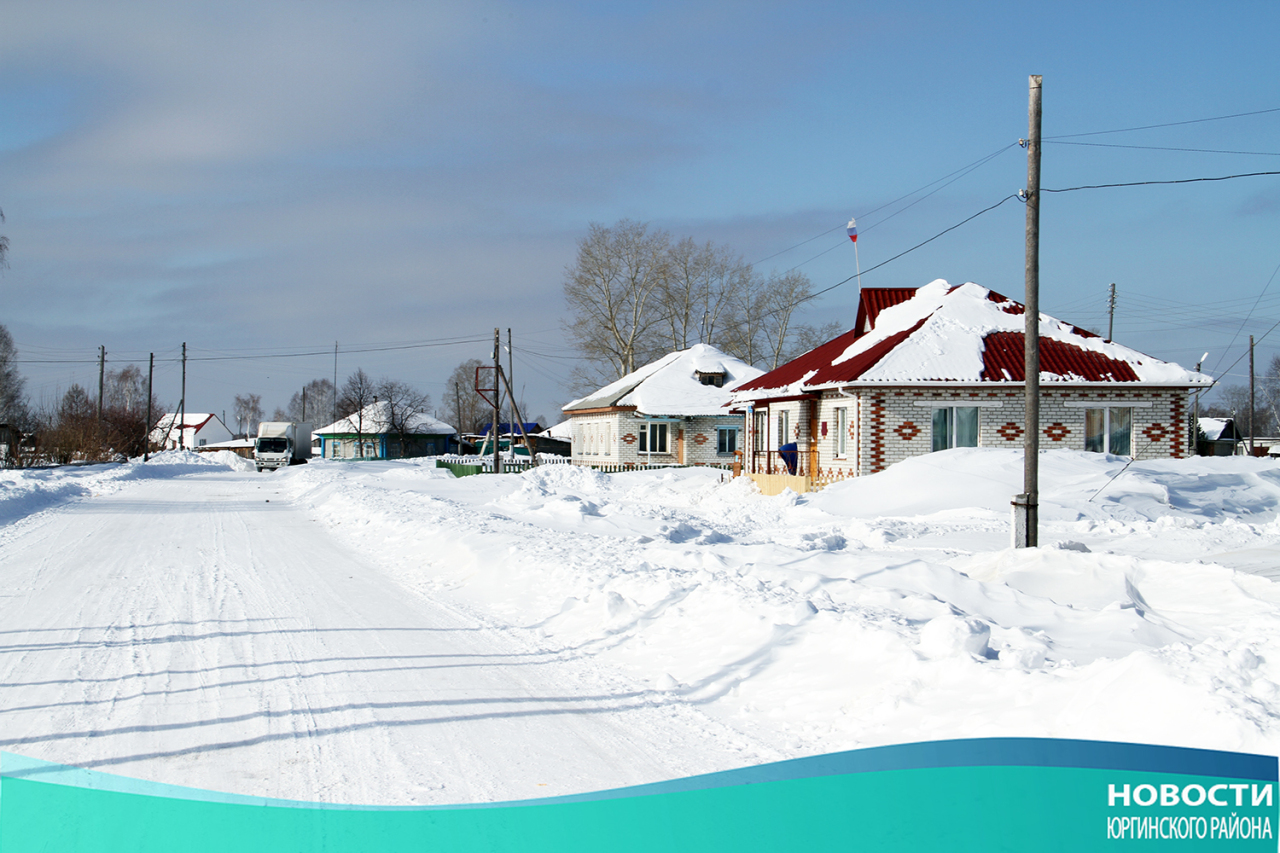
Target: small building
672 411
373 433
190 431
939 367
1218 437
238 446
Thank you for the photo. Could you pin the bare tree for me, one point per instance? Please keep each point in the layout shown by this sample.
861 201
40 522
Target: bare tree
314 404
13 408
782 294
358 393
405 408
610 290
462 406
248 411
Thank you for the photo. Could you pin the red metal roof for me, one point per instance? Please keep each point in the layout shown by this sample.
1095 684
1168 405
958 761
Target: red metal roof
873 300
1002 355
1003 360
795 370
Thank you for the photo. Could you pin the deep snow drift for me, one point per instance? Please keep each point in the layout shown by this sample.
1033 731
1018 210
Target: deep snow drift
881 610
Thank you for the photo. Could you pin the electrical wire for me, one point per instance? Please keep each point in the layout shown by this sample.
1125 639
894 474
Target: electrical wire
1167 124
1154 183
1164 148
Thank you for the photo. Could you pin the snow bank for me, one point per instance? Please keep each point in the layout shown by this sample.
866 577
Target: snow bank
25 492
881 610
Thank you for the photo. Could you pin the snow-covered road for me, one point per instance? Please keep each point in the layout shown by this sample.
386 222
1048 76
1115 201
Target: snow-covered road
383 633
202 631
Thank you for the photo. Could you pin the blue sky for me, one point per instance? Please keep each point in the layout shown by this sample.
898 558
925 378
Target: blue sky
266 178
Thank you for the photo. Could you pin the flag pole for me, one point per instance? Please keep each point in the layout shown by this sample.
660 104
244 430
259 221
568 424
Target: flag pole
852 230
859 265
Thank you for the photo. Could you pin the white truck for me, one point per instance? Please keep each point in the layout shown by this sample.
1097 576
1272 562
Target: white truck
281 443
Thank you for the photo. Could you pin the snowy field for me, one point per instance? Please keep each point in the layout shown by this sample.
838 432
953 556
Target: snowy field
384 633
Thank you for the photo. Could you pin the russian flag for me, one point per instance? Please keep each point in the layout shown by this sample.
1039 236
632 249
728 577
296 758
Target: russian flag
853 230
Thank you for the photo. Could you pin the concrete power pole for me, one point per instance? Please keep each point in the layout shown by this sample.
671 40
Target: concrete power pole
1026 528
1111 312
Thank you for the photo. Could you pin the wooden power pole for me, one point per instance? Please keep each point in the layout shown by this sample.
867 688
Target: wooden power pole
146 441
182 402
1026 532
1252 405
497 398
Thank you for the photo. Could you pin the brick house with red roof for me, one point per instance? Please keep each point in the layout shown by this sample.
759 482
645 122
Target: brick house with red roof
941 366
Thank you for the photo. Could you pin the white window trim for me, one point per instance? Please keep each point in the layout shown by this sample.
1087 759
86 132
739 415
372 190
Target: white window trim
952 404
1107 404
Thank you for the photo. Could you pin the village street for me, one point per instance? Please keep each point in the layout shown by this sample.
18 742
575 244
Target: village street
199 630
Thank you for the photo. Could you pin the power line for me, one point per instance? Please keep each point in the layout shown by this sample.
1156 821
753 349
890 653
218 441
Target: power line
1165 148
1167 124
912 249
1153 183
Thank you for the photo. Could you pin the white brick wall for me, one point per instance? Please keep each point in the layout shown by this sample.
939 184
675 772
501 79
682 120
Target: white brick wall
890 424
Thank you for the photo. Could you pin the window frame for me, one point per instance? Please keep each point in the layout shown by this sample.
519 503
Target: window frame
1103 440
951 422
721 432
649 432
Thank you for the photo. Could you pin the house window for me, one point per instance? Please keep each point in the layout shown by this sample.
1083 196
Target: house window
726 440
653 438
716 379
842 432
955 426
784 434
1109 430
759 431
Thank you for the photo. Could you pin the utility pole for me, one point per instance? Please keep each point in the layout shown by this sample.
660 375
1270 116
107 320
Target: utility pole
1195 414
511 397
102 372
1026 532
182 405
304 403
335 382
497 399
146 442
457 412
1111 312
1252 405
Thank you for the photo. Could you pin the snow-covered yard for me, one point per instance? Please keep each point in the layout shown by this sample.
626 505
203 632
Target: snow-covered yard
385 633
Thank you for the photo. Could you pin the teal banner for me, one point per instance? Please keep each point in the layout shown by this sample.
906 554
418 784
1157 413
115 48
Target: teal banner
994 794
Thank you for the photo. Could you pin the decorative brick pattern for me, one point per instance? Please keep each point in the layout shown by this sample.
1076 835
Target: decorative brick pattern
1010 431
700 439
888 425
1056 432
907 430
1157 432
629 438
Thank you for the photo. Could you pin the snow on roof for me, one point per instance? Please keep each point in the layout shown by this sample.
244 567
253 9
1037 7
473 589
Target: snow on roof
670 385
169 423
941 333
1214 429
375 419
562 430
